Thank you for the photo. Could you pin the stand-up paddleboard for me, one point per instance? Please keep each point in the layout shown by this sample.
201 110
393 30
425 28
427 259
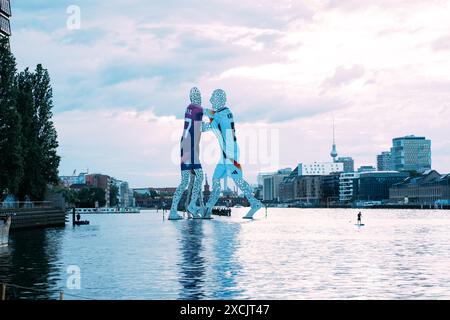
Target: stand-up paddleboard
360 224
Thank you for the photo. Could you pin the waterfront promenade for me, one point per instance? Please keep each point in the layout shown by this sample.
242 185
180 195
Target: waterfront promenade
28 215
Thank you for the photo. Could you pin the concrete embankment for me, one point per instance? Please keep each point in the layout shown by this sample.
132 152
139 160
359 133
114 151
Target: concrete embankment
36 217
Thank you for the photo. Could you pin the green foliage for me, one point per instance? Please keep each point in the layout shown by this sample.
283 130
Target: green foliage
153 194
28 139
113 194
88 196
70 196
46 132
34 183
11 158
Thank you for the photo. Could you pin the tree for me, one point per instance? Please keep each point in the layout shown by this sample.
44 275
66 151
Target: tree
46 132
113 193
34 184
11 160
34 103
70 196
87 197
153 194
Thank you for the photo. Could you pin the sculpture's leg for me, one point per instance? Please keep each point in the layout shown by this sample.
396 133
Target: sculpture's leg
255 204
196 190
185 174
214 197
189 193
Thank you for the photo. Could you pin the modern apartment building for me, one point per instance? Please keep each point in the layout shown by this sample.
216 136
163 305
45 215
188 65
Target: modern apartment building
348 184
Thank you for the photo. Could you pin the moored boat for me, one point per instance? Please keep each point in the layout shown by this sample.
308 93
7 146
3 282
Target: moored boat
104 210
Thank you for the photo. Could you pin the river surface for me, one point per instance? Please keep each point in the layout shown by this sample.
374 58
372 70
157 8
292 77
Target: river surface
290 254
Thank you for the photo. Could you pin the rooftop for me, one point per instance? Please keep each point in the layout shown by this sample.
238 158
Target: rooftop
410 137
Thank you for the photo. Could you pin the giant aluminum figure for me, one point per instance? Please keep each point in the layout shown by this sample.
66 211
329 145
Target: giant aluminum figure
222 124
190 162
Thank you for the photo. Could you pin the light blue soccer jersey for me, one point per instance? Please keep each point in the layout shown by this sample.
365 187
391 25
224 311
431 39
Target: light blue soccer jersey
222 124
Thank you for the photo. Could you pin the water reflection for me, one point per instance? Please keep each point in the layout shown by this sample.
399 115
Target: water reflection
192 263
29 261
226 266
209 266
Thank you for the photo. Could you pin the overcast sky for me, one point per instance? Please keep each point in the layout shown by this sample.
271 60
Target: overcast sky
121 82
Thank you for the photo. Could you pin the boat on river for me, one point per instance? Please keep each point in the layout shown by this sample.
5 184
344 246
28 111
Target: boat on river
221 211
105 210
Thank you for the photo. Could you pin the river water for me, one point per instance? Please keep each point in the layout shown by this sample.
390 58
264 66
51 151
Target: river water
290 254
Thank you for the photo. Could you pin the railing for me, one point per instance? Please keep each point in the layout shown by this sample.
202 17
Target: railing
27 205
5 286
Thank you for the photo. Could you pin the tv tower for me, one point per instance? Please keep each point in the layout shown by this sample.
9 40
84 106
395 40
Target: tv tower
334 152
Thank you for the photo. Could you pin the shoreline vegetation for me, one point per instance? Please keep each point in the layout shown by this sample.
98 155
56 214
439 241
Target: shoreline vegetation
28 139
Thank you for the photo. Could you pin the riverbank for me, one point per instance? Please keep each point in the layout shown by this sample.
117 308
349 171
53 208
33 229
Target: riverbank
28 218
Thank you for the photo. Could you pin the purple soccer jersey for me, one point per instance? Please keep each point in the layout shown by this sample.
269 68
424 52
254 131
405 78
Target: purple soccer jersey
190 141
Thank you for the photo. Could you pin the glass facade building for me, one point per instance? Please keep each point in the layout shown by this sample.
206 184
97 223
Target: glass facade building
374 186
348 162
384 161
411 153
5 14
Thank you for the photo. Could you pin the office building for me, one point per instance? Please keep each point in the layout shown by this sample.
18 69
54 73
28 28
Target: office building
100 181
319 168
348 162
411 153
288 186
271 185
430 188
330 188
384 161
308 189
68 181
5 15
374 186
366 169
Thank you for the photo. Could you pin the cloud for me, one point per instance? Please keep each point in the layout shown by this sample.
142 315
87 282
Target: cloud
379 68
344 75
442 43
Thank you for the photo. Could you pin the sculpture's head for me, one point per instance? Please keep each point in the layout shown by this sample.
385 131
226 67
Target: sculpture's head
196 96
218 99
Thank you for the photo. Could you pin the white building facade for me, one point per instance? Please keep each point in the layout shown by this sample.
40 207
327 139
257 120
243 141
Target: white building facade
319 168
347 186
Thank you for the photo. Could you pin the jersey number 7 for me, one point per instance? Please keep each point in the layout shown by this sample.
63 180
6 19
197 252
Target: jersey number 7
187 125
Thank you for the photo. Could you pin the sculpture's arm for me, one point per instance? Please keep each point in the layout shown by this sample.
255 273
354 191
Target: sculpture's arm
209 113
206 127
